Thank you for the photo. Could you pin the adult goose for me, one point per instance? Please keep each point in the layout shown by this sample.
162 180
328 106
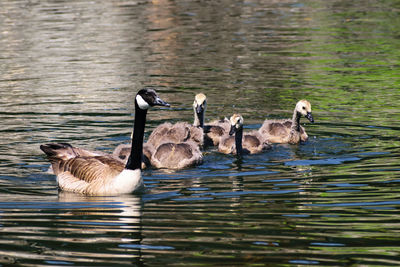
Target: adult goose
289 130
104 174
242 143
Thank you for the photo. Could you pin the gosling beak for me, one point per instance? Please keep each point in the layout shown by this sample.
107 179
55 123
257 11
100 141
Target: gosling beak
232 130
159 102
310 117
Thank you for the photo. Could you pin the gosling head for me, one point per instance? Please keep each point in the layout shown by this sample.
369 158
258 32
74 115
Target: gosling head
199 108
200 103
236 123
147 97
304 108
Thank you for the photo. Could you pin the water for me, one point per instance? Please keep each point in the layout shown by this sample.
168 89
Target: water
69 71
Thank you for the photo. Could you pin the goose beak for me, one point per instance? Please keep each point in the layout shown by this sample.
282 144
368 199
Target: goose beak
232 130
159 102
310 117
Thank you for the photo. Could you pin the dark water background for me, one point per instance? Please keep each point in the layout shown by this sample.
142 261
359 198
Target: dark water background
69 71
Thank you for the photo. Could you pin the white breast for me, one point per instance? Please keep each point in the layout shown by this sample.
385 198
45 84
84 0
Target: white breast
128 181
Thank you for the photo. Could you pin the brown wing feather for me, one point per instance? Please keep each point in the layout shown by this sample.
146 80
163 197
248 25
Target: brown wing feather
67 159
89 169
87 153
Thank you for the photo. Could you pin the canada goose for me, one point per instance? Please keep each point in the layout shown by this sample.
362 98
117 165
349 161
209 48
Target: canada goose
247 143
288 131
104 175
176 156
181 131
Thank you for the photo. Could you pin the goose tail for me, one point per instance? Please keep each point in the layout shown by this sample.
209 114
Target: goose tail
61 151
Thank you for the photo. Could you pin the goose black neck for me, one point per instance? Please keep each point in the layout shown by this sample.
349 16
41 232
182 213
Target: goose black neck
135 158
201 119
238 141
198 118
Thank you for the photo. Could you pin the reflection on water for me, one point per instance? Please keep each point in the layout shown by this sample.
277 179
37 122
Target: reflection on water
69 70
60 232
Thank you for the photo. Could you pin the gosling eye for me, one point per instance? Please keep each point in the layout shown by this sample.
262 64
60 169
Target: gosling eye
304 107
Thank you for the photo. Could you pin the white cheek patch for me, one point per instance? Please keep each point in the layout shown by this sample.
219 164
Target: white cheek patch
141 102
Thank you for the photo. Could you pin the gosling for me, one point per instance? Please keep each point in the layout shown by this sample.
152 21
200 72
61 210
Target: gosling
288 130
247 143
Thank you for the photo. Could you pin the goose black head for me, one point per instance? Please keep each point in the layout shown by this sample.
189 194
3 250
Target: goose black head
147 97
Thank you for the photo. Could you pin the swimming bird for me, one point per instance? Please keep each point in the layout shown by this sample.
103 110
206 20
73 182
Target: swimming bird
213 130
181 131
177 146
242 143
104 175
288 131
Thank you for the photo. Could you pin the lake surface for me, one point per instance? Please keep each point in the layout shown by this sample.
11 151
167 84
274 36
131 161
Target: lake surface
69 71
